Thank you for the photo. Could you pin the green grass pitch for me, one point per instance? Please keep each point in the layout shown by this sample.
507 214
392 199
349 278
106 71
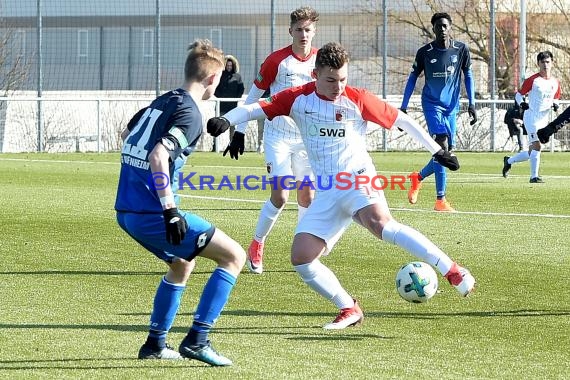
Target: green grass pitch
76 292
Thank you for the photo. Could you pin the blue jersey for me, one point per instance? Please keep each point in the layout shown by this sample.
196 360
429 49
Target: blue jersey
443 68
172 119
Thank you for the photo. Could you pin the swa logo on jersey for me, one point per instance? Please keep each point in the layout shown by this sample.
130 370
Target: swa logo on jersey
331 132
326 131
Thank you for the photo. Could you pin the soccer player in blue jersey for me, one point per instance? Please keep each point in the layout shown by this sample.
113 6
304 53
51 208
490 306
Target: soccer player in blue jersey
442 61
157 142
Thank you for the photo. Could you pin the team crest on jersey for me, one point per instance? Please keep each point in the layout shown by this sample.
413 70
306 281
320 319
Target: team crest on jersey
269 166
453 58
339 114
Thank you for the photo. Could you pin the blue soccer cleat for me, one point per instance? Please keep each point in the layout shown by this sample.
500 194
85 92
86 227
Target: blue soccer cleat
205 354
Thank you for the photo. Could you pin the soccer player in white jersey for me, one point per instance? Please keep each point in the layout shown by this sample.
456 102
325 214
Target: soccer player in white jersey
285 154
332 118
543 90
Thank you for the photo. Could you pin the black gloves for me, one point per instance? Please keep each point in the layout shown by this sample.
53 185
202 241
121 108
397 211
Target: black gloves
524 106
447 159
545 133
555 107
236 145
473 114
176 226
217 125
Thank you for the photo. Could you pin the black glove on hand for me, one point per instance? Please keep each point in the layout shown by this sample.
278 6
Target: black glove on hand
176 226
545 133
473 114
236 145
217 125
447 159
524 106
555 107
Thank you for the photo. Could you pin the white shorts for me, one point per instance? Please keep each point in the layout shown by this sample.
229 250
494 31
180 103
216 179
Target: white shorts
533 121
286 158
332 210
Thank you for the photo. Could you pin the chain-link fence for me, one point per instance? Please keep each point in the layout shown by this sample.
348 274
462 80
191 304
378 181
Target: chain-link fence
72 72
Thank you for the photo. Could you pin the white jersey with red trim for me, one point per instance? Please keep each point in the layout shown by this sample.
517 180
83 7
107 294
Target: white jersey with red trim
334 132
283 69
541 93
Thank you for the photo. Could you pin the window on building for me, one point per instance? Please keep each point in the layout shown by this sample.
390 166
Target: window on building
19 46
148 42
82 45
216 37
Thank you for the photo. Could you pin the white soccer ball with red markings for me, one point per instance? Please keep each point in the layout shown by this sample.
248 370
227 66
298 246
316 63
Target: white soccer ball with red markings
416 282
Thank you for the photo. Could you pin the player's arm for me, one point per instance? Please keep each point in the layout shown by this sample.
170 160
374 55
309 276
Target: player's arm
470 89
525 88
255 93
387 116
417 68
239 115
412 128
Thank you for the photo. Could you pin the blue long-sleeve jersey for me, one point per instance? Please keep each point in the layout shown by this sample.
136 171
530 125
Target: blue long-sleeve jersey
174 120
442 68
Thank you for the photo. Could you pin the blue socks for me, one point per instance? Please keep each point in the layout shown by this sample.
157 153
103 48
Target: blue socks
440 176
166 303
214 297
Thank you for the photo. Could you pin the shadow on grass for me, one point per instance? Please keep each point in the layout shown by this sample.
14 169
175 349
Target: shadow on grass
53 364
525 313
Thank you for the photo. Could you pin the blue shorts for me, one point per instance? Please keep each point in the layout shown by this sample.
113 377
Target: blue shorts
439 123
149 231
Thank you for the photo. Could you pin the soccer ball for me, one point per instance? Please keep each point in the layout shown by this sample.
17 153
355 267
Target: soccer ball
416 282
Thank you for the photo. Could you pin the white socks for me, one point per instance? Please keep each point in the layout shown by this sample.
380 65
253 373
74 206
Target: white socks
323 281
519 157
534 163
534 158
266 221
417 244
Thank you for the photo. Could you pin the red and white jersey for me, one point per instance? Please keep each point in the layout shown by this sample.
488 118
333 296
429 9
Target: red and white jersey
541 93
334 132
283 69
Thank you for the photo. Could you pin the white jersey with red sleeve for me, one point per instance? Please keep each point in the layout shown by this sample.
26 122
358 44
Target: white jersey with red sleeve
283 69
541 93
334 132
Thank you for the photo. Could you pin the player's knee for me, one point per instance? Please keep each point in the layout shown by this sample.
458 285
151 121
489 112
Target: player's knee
304 198
279 198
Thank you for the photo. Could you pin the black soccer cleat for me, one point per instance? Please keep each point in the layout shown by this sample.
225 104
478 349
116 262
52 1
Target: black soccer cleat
536 180
506 166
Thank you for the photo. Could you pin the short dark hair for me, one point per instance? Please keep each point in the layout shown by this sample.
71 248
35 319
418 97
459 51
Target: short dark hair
439 15
543 55
332 55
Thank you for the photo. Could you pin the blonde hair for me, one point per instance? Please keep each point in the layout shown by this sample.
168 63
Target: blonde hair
203 60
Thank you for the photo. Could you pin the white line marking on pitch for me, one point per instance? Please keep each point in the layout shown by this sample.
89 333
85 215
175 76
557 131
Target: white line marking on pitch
391 208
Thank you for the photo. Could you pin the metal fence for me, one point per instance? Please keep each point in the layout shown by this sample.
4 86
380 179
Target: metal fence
73 71
94 124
